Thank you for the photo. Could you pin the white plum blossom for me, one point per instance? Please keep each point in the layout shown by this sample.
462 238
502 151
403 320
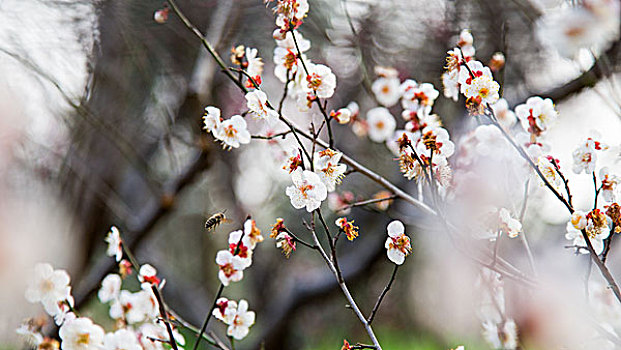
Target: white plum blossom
579 219
381 124
252 232
609 184
148 274
134 307
61 311
437 141
241 322
321 80
512 227
501 335
585 157
450 81
597 240
211 118
48 286
549 172
225 310
386 90
122 339
467 77
256 102
115 248
483 89
398 244
233 132
307 190
327 166
110 288
286 62
240 246
342 116
255 63
231 267
419 97
81 334
288 43
291 12
536 115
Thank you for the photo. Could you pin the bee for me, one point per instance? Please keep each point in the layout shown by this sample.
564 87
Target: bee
215 220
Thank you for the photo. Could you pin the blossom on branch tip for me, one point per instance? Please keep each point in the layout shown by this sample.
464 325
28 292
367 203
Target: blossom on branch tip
233 132
252 232
256 101
240 246
398 244
277 228
286 243
148 274
347 227
321 80
307 190
211 118
114 241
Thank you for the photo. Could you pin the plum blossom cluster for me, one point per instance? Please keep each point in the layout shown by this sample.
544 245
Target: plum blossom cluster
310 188
233 261
235 315
231 132
136 313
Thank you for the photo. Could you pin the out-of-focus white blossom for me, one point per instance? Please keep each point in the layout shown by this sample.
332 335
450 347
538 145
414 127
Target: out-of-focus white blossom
110 288
386 91
48 286
609 184
81 334
381 124
505 116
503 335
122 339
419 97
255 63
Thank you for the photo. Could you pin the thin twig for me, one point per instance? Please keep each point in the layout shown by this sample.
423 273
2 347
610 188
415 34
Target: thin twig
381 297
160 301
